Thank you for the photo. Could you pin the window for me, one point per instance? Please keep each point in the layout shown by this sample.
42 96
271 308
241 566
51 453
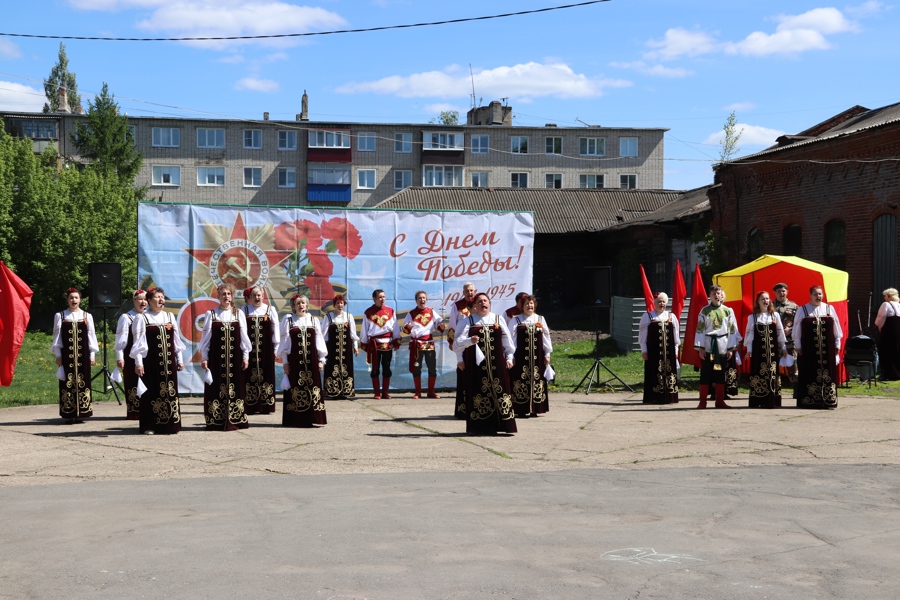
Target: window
442 141
628 146
329 139
438 175
553 181
518 145
553 145
628 182
252 176
365 179
329 175
756 243
592 146
590 181
253 139
166 175
403 142
835 248
166 137
287 140
480 144
480 180
365 142
792 240
518 180
211 176
210 138
39 130
132 129
402 179
287 177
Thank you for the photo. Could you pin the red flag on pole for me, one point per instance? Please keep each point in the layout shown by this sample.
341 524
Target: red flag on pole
699 299
679 291
15 303
648 295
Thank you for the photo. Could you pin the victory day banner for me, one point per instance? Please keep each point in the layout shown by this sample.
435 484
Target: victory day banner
189 250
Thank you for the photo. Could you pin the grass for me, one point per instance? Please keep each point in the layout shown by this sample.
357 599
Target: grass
35 378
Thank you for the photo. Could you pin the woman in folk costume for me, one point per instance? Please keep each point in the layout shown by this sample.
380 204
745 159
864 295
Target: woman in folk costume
265 335
342 342
817 339
420 324
75 345
658 336
158 357
888 323
716 340
303 352
485 351
225 350
124 342
460 310
765 342
530 395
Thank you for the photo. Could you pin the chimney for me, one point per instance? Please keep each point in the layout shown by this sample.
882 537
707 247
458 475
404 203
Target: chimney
496 113
63 100
265 116
304 107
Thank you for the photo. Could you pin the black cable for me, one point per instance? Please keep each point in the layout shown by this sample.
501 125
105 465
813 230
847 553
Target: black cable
312 33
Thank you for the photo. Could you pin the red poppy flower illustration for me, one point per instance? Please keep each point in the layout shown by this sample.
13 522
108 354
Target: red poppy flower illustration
344 235
298 234
320 290
320 262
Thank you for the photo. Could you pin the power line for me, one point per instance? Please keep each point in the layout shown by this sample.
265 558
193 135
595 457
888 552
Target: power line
308 34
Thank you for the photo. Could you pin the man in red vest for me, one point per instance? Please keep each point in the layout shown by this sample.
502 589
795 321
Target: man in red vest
420 323
381 336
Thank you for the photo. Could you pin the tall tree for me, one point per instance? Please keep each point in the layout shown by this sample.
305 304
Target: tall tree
447 117
61 77
105 139
728 147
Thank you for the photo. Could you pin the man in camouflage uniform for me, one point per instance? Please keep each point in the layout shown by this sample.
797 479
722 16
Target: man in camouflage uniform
787 310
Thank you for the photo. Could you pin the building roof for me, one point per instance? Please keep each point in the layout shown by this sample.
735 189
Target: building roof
568 210
686 205
848 122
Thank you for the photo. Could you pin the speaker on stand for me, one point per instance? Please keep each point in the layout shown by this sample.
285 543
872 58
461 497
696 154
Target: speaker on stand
105 282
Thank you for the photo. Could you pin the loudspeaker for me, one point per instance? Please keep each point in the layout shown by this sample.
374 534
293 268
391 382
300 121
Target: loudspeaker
105 279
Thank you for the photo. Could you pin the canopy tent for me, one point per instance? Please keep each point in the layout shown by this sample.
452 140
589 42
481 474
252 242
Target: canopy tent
743 283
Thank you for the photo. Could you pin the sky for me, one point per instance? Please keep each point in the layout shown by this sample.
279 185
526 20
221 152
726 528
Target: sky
681 65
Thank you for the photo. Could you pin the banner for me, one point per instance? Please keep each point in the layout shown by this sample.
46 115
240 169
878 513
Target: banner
188 250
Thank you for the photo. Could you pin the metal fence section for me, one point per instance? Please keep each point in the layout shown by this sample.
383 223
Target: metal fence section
625 318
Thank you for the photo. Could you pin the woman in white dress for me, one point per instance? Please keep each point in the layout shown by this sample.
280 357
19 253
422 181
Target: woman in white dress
225 350
158 357
303 352
533 347
75 345
765 342
265 335
342 343
124 343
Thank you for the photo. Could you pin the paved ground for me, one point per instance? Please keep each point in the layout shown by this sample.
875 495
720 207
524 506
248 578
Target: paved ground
601 498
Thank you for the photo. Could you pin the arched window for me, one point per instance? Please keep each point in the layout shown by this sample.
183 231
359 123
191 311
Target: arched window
755 243
835 251
792 241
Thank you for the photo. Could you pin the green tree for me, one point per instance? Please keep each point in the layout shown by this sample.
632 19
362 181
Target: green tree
61 77
105 139
447 117
728 147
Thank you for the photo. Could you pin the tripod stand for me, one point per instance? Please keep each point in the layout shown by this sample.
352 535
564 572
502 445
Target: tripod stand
108 383
594 371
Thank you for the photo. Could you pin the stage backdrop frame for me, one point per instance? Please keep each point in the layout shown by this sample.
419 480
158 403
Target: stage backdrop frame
188 249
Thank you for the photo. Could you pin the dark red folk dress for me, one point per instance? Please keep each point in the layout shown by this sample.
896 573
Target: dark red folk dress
75 390
259 379
660 368
530 395
339 363
765 382
223 404
303 402
160 411
817 377
488 399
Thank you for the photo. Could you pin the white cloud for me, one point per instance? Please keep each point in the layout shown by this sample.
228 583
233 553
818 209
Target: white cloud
441 107
751 135
795 34
739 106
522 81
224 18
679 42
15 97
657 70
257 85
823 20
234 59
9 49
872 7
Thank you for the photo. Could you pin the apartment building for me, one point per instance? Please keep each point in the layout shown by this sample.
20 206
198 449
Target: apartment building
303 162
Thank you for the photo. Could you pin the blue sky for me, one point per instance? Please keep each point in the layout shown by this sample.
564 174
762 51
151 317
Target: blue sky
683 65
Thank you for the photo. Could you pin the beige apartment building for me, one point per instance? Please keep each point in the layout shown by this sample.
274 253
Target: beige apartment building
303 162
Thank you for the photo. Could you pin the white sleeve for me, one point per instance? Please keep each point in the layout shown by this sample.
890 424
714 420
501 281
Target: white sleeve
509 346
643 328
56 346
353 335
677 326
748 334
321 349
206 336
779 328
276 330
882 315
284 347
838 332
462 340
545 338
176 336
122 329
140 347
246 346
93 346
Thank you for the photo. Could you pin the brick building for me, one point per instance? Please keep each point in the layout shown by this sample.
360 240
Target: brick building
301 162
830 194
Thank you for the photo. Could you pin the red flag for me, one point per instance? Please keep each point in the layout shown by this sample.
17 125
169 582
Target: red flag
679 291
15 303
699 299
648 295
